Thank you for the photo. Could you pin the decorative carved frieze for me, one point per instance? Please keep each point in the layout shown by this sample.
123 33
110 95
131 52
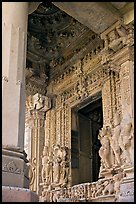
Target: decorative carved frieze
55 167
86 192
11 167
60 40
38 102
115 38
102 69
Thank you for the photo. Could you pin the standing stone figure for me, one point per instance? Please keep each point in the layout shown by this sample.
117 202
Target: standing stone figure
45 166
104 150
64 168
57 164
114 139
126 136
32 174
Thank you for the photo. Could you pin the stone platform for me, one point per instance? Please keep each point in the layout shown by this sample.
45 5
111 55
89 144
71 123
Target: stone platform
15 194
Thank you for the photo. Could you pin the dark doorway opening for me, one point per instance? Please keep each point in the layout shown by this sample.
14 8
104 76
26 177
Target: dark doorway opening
87 120
92 113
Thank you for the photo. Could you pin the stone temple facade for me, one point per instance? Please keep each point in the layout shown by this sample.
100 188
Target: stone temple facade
68 102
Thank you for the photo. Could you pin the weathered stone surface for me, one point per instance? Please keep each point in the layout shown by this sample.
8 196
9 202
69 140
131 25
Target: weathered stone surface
126 190
109 198
15 194
14 167
95 15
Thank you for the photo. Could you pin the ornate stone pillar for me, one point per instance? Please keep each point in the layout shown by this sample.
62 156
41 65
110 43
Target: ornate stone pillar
36 108
14 39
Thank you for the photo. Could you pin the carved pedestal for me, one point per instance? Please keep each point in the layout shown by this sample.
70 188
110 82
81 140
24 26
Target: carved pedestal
107 198
15 180
126 190
15 194
127 186
14 167
71 200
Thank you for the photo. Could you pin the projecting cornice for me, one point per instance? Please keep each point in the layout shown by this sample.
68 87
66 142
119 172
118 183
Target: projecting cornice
98 16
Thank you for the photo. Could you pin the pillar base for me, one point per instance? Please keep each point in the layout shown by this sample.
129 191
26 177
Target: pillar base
127 186
15 194
14 167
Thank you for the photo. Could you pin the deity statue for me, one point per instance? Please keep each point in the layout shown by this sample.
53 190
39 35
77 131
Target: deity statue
126 137
64 168
32 174
105 148
57 155
114 139
45 166
38 101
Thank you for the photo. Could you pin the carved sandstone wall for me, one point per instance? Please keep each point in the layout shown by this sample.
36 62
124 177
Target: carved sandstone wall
107 69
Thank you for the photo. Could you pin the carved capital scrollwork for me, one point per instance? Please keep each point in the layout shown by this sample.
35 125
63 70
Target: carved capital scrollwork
115 38
11 167
38 102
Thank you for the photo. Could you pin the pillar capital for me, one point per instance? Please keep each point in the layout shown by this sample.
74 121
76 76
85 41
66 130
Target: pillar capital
38 102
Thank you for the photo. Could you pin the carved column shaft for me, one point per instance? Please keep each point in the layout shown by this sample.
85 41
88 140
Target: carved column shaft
107 101
36 106
127 87
35 121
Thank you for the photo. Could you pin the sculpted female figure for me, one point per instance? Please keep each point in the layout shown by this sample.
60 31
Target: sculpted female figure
126 136
45 169
114 139
57 164
105 148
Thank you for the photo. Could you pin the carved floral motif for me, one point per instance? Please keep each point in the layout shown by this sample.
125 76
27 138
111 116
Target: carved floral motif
11 167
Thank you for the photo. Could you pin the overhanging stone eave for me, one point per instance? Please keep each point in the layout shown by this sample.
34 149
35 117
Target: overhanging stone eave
96 16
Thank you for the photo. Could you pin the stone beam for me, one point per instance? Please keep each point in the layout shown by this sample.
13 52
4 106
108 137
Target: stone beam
97 16
33 6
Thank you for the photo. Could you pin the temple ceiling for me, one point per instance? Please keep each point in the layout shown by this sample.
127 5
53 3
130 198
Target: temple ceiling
55 40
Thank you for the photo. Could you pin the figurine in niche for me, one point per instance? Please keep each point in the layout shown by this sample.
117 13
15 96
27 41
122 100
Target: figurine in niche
114 138
32 174
126 137
117 38
45 165
105 148
38 101
49 170
64 168
57 164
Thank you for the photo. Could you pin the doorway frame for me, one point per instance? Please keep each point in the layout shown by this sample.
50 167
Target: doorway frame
74 111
